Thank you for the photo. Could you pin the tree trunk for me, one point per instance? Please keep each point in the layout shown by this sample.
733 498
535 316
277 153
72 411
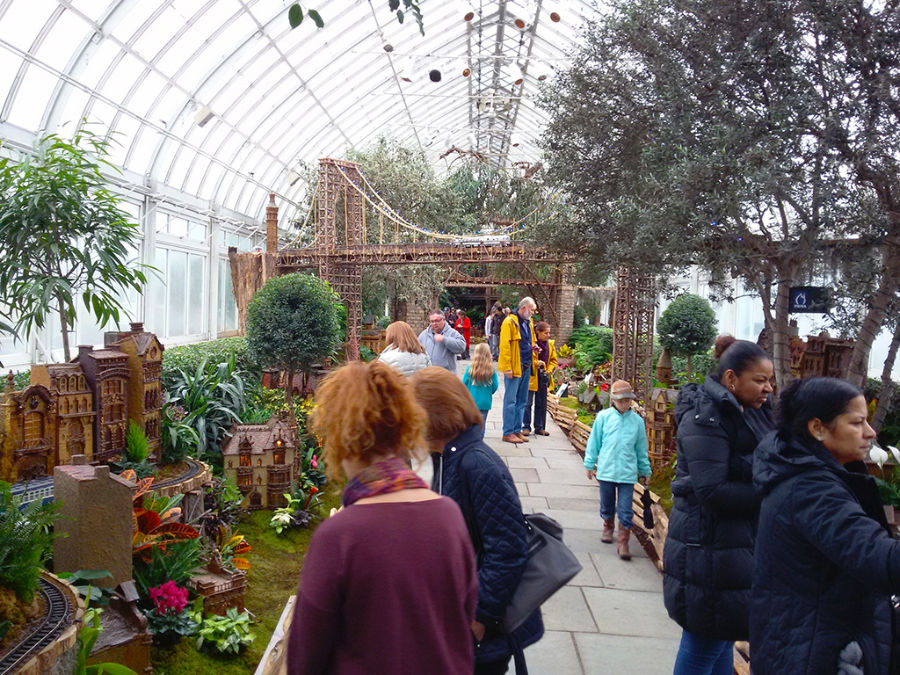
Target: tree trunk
64 326
690 369
289 389
781 355
878 307
887 384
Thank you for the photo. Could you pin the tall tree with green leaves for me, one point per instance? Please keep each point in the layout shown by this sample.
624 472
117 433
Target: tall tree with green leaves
693 134
64 237
292 322
687 327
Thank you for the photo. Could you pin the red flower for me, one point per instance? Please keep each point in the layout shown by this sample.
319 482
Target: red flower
604 387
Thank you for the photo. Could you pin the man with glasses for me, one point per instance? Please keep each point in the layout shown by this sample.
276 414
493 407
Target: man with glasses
441 342
516 349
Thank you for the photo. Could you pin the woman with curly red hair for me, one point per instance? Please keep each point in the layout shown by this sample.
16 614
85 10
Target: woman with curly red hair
389 582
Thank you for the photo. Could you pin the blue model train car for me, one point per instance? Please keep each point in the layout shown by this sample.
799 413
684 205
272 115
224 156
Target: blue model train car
32 490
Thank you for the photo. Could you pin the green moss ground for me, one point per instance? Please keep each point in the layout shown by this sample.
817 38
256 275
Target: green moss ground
275 570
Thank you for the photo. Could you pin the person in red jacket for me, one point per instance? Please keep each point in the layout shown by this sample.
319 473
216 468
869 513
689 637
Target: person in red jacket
464 327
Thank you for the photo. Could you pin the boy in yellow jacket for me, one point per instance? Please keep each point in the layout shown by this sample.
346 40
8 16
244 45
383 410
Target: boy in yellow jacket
542 367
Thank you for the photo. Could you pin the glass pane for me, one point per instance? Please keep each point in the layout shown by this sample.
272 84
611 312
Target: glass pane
31 99
22 21
155 316
177 279
63 39
178 227
196 294
197 231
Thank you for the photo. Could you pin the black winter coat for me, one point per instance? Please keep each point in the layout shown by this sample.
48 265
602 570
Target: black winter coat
708 557
489 498
825 563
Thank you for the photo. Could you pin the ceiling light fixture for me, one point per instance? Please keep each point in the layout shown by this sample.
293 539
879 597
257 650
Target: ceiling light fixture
203 116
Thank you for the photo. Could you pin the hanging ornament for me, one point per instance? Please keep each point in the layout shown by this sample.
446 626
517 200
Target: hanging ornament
469 16
434 75
466 72
554 17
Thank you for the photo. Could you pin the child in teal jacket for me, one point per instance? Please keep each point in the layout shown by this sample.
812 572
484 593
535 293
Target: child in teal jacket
616 455
481 380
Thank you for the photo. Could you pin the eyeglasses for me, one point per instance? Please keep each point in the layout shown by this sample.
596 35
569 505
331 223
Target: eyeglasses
434 320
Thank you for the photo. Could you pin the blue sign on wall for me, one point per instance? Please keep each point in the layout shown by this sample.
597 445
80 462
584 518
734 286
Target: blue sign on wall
810 299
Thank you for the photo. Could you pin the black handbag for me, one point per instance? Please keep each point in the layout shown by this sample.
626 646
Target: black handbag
551 565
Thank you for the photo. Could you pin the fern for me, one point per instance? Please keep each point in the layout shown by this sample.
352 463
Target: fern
25 540
136 448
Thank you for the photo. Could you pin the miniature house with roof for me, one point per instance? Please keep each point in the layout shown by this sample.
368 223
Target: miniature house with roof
262 460
659 419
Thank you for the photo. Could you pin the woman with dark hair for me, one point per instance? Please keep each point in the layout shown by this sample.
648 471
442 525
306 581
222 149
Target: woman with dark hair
826 563
474 476
708 558
389 582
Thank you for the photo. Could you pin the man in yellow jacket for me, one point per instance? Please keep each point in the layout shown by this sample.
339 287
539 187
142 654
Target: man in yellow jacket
516 344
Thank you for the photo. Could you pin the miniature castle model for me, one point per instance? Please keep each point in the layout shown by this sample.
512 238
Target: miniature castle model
82 407
262 460
659 419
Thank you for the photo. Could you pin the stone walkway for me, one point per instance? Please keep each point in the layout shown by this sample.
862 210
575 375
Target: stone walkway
610 618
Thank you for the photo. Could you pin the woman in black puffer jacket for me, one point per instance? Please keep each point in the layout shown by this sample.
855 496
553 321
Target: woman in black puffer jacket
825 561
473 475
708 558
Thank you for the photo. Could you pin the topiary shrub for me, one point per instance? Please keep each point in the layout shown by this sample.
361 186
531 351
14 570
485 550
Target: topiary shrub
292 322
687 327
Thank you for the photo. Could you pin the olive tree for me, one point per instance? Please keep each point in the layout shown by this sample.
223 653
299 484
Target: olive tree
63 236
293 322
687 327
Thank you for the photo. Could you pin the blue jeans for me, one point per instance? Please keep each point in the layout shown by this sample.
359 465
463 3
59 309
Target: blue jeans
702 656
619 504
515 395
484 414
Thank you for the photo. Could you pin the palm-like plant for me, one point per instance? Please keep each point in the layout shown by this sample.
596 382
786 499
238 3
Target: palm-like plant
212 400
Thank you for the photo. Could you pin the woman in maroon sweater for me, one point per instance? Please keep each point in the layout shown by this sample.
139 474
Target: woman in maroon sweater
389 582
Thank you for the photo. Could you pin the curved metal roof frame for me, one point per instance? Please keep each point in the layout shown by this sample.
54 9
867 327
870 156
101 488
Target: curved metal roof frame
221 102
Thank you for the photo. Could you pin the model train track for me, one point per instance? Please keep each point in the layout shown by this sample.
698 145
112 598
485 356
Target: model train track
58 616
193 470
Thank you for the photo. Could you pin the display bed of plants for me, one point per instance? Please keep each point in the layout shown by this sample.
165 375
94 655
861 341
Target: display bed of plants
275 564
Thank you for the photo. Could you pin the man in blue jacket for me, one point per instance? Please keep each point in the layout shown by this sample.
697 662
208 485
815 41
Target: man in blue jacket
616 455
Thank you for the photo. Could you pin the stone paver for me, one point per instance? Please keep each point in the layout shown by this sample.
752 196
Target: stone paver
610 618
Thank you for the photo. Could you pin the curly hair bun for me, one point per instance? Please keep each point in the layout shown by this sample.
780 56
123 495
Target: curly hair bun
722 343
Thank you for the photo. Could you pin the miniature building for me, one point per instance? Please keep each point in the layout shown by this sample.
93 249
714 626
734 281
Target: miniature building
96 522
221 589
659 418
820 355
82 407
28 432
75 408
262 460
145 396
106 371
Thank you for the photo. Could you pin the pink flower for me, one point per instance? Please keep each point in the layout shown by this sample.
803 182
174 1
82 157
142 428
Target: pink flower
314 462
169 596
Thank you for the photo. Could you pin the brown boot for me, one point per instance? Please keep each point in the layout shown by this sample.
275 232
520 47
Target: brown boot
512 438
622 543
609 527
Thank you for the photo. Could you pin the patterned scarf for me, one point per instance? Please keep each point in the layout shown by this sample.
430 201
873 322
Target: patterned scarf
390 475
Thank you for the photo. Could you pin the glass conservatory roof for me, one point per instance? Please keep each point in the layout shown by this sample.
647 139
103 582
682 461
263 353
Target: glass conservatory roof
221 102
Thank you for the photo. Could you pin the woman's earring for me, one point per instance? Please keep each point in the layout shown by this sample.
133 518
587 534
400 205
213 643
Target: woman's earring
732 387
819 438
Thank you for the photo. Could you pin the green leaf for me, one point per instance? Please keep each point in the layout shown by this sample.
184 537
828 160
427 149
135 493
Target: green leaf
314 15
295 15
400 15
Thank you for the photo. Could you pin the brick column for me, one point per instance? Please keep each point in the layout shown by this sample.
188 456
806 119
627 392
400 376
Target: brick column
271 225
